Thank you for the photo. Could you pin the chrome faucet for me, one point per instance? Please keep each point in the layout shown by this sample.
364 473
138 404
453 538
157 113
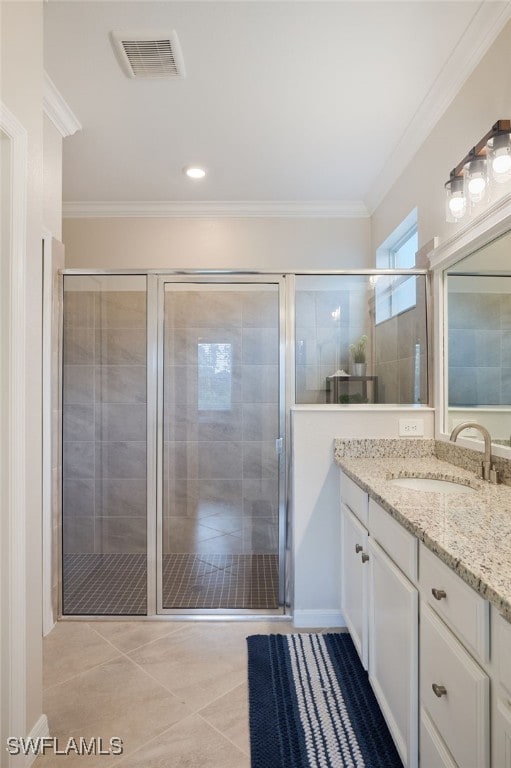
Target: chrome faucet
485 470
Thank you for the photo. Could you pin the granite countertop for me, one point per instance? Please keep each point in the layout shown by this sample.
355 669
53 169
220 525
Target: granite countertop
471 533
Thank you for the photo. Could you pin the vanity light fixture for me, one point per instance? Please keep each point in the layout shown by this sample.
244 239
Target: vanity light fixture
194 172
487 164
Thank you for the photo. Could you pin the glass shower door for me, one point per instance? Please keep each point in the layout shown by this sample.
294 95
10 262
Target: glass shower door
219 540
104 504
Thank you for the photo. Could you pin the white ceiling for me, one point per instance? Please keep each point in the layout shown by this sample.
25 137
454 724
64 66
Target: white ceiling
305 103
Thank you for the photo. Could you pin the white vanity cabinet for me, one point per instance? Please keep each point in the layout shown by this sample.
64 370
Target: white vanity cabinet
380 606
354 598
501 694
454 686
393 644
460 716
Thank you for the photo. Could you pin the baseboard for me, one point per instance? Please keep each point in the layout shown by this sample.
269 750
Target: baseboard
40 729
318 618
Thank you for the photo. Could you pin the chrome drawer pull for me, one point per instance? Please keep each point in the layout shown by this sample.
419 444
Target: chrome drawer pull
438 594
365 557
439 690
358 548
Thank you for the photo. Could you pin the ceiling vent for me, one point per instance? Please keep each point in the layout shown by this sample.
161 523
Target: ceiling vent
148 54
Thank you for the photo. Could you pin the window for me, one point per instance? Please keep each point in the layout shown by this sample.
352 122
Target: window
214 376
397 293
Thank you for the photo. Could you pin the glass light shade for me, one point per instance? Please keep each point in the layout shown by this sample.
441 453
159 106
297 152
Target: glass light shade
194 172
456 202
475 175
499 158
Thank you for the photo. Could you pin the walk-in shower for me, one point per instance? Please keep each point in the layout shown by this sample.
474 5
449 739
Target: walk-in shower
172 464
176 392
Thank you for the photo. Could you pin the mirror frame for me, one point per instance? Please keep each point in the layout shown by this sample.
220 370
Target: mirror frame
481 230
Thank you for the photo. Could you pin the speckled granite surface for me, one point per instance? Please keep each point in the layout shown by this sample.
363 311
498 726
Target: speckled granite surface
471 533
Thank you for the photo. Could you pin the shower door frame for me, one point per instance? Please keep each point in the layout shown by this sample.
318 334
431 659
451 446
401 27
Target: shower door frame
156 323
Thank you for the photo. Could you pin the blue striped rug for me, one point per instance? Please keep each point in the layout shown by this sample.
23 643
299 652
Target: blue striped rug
311 705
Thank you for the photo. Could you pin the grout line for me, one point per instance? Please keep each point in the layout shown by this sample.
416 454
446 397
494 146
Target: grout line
237 746
142 645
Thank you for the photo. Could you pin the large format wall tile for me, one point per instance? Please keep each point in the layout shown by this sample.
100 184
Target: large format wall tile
78 346
219 460
78 459
121 384
260 384
121 309
78 422
120 534
78 535
78 497
78 384
121 460
79 309
125 496
260 309
260 421
121 346
120 422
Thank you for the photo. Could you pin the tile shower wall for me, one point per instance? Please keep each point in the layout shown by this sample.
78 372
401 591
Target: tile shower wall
479 348
327 322
395 342
220 465
104 419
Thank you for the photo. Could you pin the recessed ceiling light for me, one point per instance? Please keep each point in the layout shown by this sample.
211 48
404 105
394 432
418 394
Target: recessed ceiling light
194 172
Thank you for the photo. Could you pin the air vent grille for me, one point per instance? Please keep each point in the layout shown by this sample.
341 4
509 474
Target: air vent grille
143 55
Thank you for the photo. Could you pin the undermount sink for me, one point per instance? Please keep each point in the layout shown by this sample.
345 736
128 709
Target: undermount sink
431 484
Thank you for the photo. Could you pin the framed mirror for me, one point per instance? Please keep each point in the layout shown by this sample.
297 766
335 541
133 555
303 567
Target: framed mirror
477 341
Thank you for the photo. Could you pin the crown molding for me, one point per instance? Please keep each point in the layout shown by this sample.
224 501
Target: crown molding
223 209
57 109
486 24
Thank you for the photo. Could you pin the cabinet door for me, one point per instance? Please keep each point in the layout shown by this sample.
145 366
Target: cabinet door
501 753
393 650
354 580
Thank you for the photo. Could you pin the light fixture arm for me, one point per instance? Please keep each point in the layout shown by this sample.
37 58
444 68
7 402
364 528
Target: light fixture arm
479 150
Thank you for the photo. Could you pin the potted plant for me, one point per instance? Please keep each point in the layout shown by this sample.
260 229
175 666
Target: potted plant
358 354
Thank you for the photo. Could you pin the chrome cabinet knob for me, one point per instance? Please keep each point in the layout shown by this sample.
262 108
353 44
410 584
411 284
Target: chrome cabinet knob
438 594
439 690
365 557
358 548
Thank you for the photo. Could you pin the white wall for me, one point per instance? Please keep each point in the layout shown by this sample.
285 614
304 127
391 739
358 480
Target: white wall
315 491
21 91
484 99
52 179
283 244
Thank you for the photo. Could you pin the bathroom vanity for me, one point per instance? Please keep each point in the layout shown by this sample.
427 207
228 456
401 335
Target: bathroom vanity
426 595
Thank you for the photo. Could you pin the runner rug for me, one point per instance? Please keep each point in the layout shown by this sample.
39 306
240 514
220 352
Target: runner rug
311 705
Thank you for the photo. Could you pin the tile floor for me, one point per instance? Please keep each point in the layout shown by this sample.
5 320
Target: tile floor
175 693
116 584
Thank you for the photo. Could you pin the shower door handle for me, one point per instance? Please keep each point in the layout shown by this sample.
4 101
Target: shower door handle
279 445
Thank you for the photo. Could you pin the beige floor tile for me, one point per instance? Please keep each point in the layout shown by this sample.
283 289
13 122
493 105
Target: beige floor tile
128 635
199 663
229 714
72 648
192 743
114 699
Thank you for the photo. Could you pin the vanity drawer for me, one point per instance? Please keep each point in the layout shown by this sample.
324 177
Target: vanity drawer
400 545
354 498
461 607
460 709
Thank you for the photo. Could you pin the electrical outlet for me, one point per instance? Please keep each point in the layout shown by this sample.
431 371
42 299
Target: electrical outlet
411 427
